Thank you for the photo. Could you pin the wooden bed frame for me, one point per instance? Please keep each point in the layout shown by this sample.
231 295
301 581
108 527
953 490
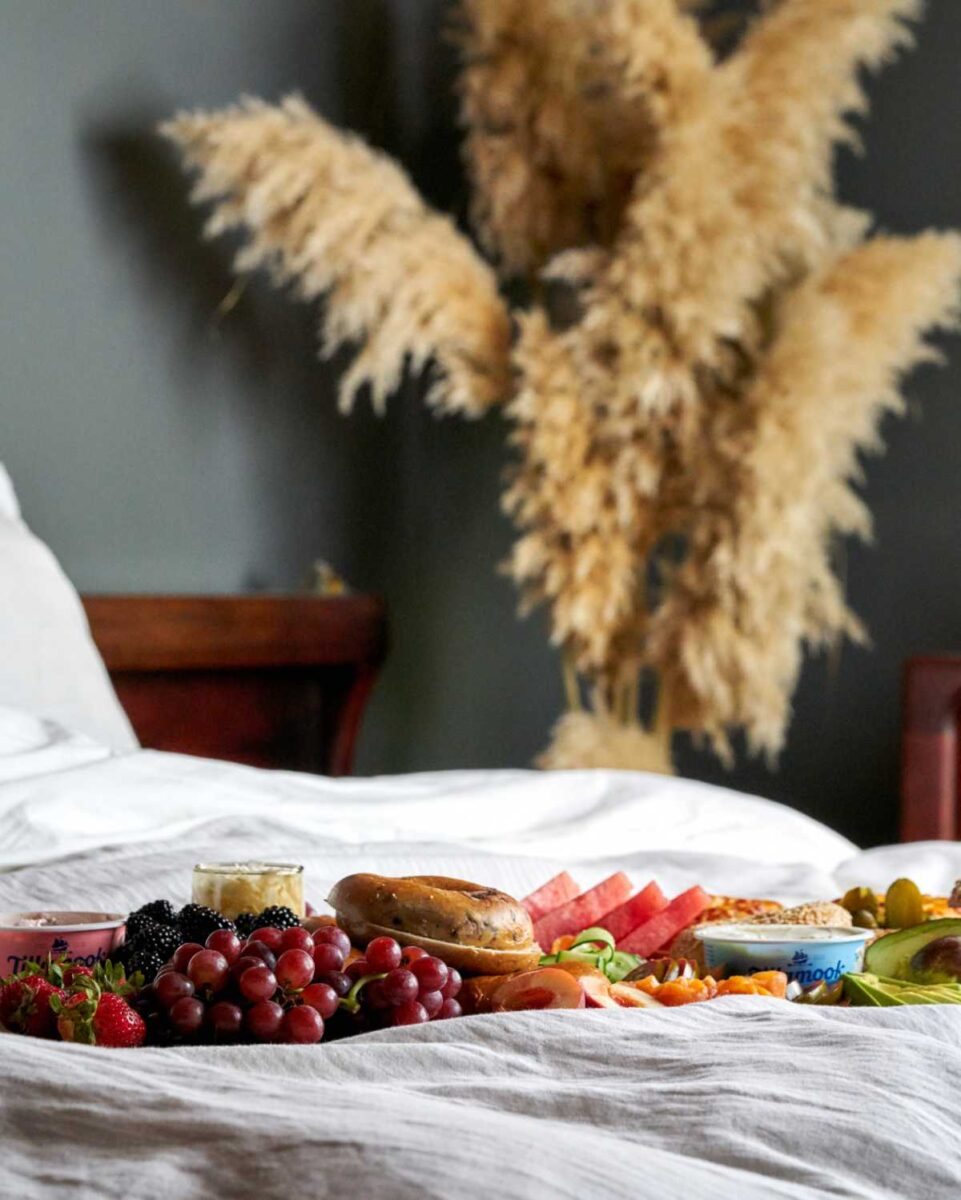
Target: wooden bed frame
931 748
273 681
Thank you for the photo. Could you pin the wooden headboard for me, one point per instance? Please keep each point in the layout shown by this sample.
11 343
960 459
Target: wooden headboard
931 748
273 681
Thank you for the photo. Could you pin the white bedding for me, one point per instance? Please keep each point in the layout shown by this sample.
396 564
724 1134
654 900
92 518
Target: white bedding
737 1098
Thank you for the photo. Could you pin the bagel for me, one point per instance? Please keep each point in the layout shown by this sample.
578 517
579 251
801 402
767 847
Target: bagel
476 929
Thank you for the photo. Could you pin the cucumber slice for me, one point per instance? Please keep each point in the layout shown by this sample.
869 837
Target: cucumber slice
621 963
594 934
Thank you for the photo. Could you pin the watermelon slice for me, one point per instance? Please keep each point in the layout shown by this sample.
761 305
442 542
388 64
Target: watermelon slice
667 924
583 910
648 902
551 895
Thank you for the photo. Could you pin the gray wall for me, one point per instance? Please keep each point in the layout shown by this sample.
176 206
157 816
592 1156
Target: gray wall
158 446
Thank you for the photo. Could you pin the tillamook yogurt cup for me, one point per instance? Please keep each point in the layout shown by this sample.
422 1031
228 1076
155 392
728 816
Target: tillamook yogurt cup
79 937
807 954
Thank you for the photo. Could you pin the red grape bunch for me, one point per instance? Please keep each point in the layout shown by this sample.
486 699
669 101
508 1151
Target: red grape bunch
287 985
394 986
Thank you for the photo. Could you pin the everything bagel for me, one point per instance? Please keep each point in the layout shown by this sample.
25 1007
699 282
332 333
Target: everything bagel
473 928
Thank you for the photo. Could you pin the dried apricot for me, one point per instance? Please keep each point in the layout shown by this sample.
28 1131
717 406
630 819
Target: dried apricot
740 985
764 983
648 984
686 991
774 983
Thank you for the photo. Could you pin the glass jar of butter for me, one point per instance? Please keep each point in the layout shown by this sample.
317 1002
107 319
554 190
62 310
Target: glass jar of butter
233 888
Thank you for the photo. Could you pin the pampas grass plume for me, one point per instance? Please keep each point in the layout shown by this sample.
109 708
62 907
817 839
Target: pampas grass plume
339 221
688 435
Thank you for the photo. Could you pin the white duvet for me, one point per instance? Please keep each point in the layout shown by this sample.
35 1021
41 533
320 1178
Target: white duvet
736 1098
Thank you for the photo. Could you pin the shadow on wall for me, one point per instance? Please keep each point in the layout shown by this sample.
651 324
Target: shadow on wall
412 501
206 315
144 195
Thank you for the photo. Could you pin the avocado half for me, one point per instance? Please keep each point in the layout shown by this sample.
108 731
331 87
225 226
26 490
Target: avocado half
890 956
874 991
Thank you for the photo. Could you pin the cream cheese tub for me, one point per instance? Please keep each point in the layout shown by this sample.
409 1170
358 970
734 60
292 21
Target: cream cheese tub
807 954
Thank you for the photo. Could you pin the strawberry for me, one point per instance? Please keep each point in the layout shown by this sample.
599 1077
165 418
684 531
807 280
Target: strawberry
25 1005
73 971
113 978
98 1018
109 976
10 993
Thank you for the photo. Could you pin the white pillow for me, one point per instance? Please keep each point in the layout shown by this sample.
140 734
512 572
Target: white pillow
8 499
49 665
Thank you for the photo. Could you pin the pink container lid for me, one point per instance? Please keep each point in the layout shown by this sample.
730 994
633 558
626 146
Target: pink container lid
47 921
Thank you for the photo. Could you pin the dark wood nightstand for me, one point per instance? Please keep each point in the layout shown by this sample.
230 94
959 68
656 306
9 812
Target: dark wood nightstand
272 681
931 748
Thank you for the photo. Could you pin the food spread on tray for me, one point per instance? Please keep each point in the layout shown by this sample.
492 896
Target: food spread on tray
236 966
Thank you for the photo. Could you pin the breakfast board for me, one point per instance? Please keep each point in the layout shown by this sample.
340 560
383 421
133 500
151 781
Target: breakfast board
249 960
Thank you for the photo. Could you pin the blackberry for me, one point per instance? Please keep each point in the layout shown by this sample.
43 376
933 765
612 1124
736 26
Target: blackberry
123 954
161 911
136 924
278 917
246 923
148 962
197 923
160 939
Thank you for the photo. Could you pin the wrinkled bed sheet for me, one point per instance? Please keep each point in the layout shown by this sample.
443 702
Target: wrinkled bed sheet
737 1098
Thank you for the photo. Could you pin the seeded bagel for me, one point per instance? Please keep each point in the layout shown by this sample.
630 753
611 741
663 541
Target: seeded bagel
818 912
473 928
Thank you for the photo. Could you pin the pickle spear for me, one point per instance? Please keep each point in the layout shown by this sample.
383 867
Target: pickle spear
903 905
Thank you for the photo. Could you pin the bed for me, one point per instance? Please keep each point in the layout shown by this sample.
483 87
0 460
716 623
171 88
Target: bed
742 1097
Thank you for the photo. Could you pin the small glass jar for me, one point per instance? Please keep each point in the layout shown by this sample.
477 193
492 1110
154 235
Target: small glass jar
233 888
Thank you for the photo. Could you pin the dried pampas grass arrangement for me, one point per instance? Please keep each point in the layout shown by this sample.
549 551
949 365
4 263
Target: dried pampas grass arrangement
335 219
687 433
